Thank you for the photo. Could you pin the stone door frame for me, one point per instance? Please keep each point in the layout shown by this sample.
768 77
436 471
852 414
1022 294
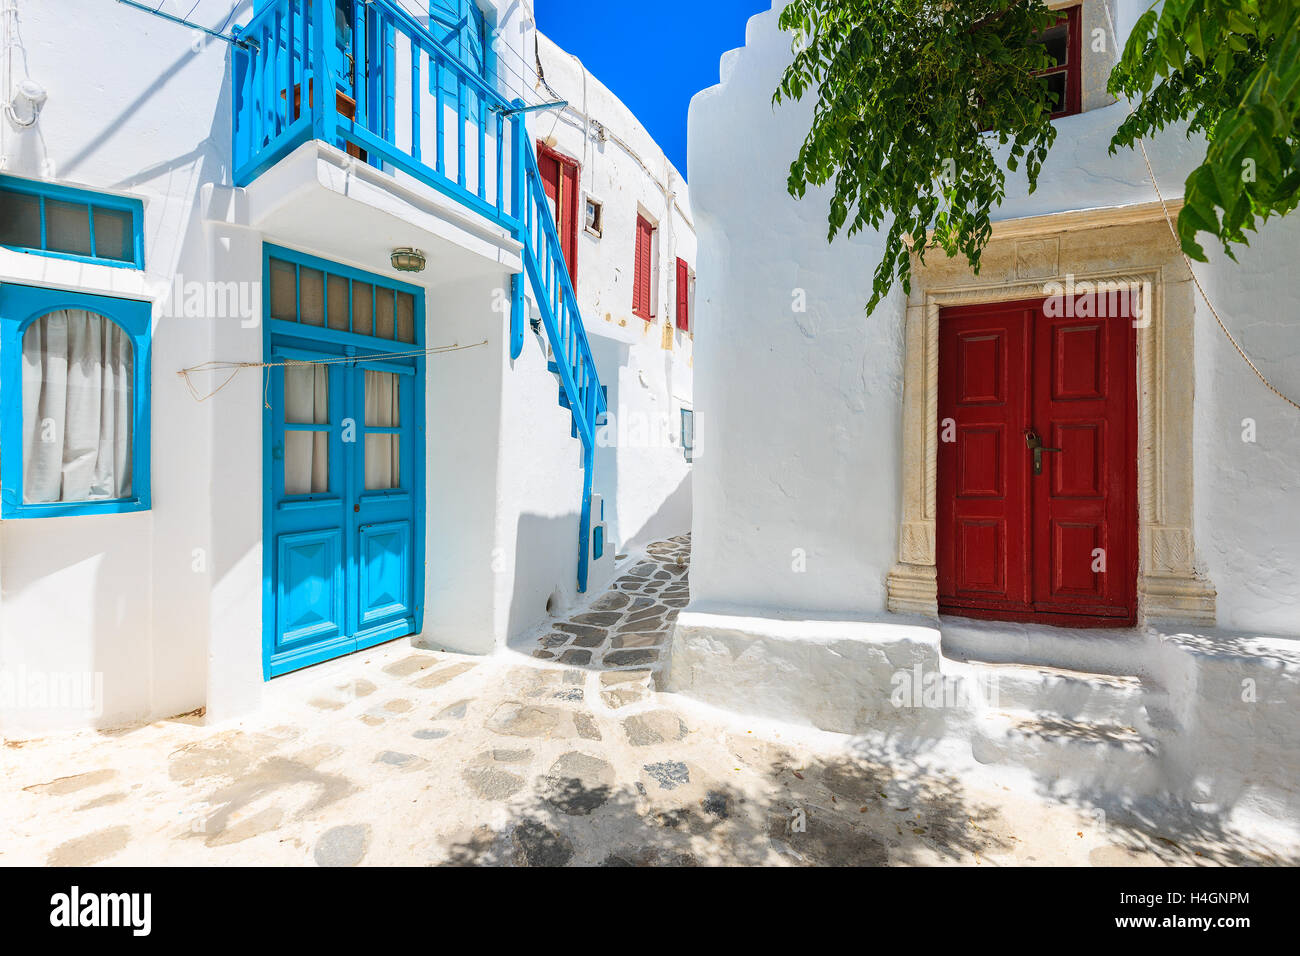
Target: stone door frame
1129 244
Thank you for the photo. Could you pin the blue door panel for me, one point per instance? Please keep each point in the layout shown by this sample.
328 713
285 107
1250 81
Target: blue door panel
385 571
310 587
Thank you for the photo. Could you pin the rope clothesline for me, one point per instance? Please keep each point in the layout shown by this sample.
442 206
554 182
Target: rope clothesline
1199 288
237 367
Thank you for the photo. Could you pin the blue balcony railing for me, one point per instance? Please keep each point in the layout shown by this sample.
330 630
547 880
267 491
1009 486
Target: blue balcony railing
397 98
443 124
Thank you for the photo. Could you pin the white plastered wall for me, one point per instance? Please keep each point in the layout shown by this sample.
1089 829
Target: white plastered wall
162 611
800 487
803 410
647 366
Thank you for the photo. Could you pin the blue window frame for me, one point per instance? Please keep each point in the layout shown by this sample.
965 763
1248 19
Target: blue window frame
67 223
304 294
21 307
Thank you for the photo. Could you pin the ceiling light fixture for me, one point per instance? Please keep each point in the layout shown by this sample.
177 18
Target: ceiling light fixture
408 260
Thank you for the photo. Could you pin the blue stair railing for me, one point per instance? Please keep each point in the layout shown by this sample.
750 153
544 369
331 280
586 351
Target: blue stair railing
461 137
571 360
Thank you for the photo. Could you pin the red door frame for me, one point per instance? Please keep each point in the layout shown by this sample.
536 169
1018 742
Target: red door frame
560 175
998 544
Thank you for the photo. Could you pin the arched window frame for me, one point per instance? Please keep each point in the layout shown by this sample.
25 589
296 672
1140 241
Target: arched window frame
20 306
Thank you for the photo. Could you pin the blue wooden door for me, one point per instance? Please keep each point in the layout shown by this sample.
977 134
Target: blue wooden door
346 55
344 510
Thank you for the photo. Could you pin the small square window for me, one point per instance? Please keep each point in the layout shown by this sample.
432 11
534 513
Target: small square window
20 220
113 238
337 305
67 227
405 317
595 217
363 308
311 296
284 291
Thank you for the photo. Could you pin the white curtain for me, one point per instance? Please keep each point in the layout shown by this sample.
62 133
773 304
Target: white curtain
306 454
383 452
78 370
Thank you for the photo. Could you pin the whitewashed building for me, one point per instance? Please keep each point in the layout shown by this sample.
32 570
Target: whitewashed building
629 203
1089 512
287 375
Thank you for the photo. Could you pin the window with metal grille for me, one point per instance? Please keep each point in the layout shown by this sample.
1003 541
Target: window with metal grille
314 292
68 223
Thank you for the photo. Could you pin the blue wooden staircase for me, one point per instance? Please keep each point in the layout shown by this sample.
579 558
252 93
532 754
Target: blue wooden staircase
570 360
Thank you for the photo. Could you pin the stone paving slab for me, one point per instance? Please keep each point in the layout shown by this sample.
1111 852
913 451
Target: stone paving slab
404 756
630 626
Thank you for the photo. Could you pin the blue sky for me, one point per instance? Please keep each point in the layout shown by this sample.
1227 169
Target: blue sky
654 56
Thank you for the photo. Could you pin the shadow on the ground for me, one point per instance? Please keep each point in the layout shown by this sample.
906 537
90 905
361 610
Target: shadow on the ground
850 811
1178 832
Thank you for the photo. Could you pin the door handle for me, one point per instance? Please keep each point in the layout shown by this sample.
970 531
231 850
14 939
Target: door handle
1035 444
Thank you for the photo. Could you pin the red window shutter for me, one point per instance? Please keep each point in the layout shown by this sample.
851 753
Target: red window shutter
643 270
647 270
683 295
636 271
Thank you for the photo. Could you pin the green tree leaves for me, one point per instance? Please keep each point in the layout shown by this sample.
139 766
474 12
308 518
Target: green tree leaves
1230 69
905 90
921 103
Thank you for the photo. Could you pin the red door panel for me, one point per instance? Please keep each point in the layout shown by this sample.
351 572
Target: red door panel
1059 546
1084 503
983 358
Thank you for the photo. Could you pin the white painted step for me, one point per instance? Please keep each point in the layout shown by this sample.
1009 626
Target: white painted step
1072 757
1060 693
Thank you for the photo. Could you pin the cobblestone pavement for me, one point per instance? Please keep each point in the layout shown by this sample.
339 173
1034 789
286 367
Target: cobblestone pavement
404 756
631 624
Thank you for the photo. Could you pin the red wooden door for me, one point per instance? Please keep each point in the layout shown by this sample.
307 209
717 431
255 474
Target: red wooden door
560 180
1057 545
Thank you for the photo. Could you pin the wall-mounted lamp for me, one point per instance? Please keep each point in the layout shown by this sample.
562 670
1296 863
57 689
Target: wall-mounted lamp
28 99
409 260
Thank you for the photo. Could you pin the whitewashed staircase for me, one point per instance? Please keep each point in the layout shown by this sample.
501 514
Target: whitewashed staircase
1079 732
